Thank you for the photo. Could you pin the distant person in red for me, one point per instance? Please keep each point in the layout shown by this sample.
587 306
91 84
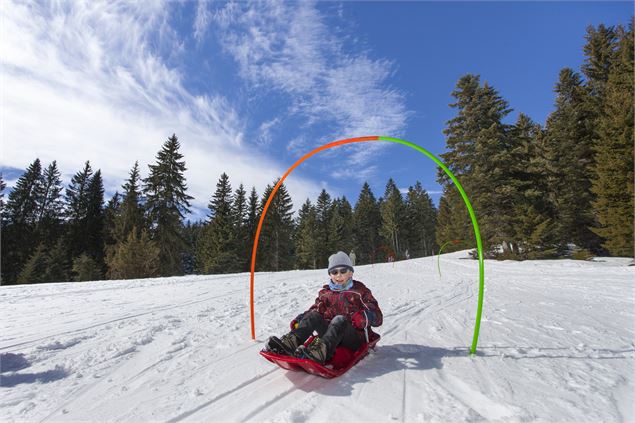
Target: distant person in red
341 315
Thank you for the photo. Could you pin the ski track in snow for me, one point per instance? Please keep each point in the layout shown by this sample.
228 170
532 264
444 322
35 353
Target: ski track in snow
556 344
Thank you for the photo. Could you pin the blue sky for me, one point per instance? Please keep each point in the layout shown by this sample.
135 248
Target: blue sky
250 87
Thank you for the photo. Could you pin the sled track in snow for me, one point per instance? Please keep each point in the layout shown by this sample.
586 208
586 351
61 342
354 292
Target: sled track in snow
131 316
219 397
235 396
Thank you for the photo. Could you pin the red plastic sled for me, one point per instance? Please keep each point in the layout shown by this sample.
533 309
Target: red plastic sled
342 360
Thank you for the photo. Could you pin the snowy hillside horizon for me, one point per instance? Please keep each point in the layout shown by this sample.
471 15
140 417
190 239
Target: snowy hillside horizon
556 344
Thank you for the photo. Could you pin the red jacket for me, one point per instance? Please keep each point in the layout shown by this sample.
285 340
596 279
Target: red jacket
346 303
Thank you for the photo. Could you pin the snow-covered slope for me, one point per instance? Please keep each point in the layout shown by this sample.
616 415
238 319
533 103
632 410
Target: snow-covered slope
557 344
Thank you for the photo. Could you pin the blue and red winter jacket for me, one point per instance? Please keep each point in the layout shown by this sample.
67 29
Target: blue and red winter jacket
331 303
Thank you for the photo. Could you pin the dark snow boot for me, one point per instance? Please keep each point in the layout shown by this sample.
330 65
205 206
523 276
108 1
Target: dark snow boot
285 345
317 351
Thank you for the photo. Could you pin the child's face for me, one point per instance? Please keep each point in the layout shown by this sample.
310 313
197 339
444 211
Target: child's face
340 275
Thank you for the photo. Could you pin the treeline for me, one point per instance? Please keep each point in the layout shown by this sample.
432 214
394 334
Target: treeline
565 189
50 236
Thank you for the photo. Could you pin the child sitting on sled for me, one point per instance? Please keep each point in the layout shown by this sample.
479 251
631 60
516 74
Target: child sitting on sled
341 315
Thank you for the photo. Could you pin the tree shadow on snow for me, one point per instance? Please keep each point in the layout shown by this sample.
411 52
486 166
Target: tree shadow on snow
13 379
10 362
384 359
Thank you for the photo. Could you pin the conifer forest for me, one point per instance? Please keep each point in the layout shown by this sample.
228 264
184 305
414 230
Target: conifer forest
540 191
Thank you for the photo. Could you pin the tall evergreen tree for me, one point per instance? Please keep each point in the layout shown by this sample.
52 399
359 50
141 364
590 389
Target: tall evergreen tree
306 244
77 204
22 204
340 229
166 204
533 212
94 229
392 212
51 206
366 222
217 245
276 251
569 135
599 52
132 213
112 215
253 214
612 181
3 185
421 218
240 214
478 149
20 217
324 209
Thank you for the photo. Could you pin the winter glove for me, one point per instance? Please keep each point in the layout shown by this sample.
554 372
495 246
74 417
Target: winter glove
294 323
362 319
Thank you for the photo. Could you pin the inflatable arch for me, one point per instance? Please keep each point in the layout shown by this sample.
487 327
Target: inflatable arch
477 233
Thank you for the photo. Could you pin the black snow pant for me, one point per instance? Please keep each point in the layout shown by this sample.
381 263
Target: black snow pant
338 331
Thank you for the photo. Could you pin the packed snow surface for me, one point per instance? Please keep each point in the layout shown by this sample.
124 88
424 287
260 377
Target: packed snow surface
556 344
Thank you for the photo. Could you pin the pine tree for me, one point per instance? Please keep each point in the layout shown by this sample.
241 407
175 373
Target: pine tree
94 228
51 206
240 218
613 170
392 212
131 213
22 205
324 209
569 135
45 265
35 267
57 266
216 252
306 245
166 204
340 229
453 222
20 217
191 234
533 211
253 214
85 268
3 185
366 222
600 55
135 258
421 218
276 251
478 148
85 212
112 214
77 204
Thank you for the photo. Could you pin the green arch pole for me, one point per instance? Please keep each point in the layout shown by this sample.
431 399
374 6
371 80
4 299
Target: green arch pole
477 233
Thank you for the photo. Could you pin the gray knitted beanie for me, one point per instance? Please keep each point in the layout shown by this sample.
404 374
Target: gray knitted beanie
340 259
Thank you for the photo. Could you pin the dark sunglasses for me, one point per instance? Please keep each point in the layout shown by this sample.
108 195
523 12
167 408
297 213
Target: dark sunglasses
340 270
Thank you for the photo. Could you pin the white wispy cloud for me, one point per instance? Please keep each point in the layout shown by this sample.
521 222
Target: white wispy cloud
92 81
265 129
288 47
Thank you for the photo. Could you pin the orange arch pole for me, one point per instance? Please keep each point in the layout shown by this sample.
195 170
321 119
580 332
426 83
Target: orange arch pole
468 204
266 207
